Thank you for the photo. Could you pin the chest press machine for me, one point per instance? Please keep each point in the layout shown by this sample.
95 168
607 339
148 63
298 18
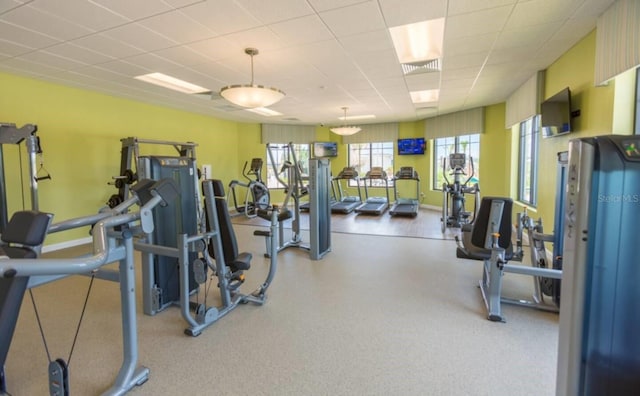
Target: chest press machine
21 269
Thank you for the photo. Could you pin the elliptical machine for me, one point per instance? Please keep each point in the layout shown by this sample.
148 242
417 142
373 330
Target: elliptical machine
257 194
453 194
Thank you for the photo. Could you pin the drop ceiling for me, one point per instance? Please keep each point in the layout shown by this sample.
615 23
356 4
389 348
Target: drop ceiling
324 54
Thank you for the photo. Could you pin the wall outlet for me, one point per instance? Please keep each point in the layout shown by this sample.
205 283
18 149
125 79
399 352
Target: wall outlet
421 194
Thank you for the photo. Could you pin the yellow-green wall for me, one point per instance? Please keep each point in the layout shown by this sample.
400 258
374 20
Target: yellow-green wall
80 134
574 69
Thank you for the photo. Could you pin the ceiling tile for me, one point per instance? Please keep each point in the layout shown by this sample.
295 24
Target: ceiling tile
107 45
261 38
222 15
323 5
139 37
457 7
308 29
84 13
537 12
358 18
464 45
134 10
216 48
25 37
376 40
53 60
8 48
469 25
276 10
412 11
79 54
179 27
44 23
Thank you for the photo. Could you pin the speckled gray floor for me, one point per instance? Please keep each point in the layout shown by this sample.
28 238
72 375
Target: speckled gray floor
377 316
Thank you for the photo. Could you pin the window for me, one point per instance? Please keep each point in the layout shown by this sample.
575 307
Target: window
528 161
364 156
282 153
468 144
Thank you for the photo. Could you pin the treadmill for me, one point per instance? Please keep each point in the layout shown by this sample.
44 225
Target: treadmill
374 205
405 206
345 203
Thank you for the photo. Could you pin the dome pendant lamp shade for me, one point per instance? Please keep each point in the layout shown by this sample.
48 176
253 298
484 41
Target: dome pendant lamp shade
345 130
251 95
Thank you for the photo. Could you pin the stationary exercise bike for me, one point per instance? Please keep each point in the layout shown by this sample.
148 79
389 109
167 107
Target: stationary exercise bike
257 194
453 194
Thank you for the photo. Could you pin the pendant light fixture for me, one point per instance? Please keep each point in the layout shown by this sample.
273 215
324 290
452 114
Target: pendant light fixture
345 130
251 95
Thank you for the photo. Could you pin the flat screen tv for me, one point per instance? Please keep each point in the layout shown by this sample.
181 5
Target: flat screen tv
325 149
555 114
411 146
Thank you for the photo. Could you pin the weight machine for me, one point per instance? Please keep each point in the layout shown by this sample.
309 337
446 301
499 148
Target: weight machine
489 239
453 194
112 233
257 194
10 134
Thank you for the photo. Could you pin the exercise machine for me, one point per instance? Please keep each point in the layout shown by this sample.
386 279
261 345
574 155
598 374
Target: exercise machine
598 344
405 206
319 179
112 232
346 203
10 134
489 240
256 192
454 213
161 273
374 205
290 177
319 208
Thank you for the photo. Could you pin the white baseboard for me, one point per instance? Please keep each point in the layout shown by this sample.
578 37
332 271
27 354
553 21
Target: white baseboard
67 244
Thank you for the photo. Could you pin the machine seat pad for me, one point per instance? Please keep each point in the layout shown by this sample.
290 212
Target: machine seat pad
16 252
241 263
480 253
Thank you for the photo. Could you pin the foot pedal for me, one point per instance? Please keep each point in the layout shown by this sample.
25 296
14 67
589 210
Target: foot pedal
199 271
58 378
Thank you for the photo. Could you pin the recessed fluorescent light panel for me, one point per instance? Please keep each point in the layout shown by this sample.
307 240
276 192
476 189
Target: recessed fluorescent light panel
357 117
426 96
418 41
264 111
172 83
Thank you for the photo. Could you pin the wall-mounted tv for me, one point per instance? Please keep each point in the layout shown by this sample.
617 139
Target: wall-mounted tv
411 146
325 149
555 114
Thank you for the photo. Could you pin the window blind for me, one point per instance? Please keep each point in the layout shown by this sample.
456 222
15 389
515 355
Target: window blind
524 102
464 122
617 40
374 133
275 133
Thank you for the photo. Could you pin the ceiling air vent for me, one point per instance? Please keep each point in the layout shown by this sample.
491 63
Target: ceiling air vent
290 119
427 66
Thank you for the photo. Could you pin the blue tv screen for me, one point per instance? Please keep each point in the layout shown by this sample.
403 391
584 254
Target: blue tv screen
325 149
411 146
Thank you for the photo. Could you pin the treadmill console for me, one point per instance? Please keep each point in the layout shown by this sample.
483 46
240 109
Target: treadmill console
407 172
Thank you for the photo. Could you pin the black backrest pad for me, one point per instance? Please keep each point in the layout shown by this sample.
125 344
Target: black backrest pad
11 294
481 224
227 234
27 228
